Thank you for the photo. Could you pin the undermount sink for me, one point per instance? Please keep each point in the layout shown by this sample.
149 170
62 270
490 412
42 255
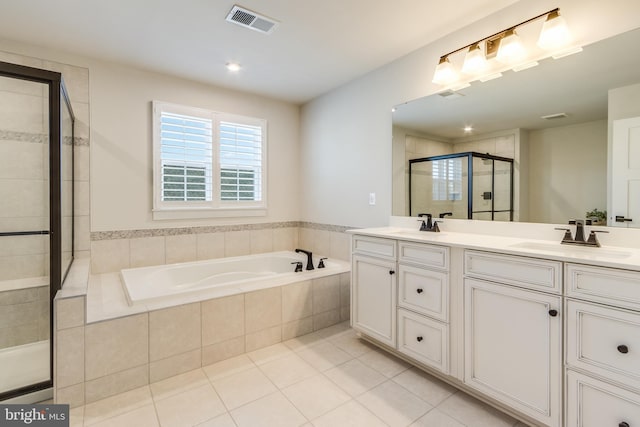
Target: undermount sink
417 233
572 250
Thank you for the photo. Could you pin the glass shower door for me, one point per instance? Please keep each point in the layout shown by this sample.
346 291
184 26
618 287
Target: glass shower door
24 234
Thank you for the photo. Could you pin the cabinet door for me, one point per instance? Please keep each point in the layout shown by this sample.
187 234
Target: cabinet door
373 305
513 348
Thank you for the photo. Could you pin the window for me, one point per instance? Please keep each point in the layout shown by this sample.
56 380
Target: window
207 164
447 179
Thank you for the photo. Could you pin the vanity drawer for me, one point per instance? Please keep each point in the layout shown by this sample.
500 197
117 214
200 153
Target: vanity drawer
605 341
593 403
530 273
375 246
428 255
424 291
606 285
424 340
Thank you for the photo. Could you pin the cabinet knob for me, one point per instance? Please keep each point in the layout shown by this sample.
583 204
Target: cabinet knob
419 290
553 313
623 424
419 339
391 272
623 349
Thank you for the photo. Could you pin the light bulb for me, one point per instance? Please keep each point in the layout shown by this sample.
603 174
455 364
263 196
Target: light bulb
555 33
511 49
474 62
233 67
445 72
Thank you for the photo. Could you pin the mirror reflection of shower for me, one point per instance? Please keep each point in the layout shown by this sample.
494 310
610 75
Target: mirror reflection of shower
36 221
468 185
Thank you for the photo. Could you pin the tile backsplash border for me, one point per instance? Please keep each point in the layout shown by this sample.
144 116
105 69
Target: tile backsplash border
156 232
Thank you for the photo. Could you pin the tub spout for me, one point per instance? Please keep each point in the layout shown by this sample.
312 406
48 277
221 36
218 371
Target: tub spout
309 258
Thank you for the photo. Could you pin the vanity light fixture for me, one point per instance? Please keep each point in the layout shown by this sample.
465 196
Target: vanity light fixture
445 72
507 48
511 50
555 33
475 62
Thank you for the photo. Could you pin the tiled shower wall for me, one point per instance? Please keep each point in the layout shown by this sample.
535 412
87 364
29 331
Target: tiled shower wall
24 184
24 313
24 316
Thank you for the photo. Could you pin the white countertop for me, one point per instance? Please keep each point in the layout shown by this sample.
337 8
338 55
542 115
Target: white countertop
606 256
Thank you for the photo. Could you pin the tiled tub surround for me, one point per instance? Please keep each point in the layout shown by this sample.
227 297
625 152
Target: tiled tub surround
116 250
97 359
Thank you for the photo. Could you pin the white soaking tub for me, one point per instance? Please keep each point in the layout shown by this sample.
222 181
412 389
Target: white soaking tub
221 277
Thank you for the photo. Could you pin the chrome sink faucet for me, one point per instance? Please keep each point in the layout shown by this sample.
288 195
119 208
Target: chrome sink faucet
309 258
568 239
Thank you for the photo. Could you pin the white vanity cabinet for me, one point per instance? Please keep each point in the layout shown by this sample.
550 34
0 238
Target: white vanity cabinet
513 335
423 304
603 346
374 288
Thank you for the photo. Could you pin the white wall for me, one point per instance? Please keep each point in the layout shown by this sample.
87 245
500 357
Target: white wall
346 134
568 171
121 145
121 155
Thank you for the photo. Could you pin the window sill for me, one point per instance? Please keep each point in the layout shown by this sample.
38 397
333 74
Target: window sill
164 214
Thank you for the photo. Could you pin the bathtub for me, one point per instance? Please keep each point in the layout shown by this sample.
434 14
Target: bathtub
220 277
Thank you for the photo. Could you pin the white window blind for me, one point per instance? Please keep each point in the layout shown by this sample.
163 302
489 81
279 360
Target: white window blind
240 162
447 179
207 163
186 156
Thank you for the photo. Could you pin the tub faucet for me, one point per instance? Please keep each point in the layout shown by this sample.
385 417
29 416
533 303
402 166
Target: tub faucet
309 258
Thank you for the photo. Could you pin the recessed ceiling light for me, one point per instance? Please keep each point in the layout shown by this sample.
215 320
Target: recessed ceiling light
233 67
468 129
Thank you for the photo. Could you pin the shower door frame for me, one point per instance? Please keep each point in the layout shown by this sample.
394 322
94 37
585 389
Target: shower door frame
470 155
57 94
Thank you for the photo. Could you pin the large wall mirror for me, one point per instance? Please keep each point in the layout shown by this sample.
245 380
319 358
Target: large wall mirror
554 120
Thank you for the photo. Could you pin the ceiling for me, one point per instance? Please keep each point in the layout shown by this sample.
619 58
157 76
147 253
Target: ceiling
317 46
577 85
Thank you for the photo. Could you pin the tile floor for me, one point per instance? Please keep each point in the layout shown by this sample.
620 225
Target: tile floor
327 378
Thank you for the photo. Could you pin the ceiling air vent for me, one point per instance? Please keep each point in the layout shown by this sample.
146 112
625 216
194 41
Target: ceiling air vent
248 19
450 94
554 116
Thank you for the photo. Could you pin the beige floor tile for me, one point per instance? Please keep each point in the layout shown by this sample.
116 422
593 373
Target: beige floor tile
287 370
178 384
76 417
335 330
473 413
228 367
354 377
223 420
270 353
190 407
243 387
425 386
117 405
269 411
324 356
385 363
145 416
394 404
304 342
435 418
349 342
316 396
351 414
